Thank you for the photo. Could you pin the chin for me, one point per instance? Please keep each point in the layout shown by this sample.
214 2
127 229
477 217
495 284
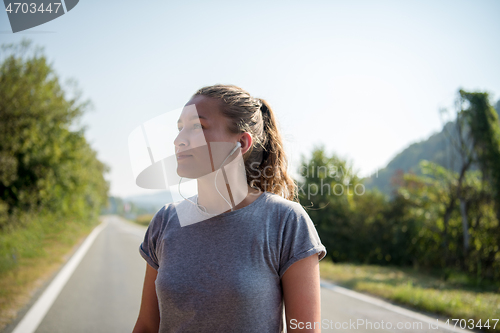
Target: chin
190 172
182 172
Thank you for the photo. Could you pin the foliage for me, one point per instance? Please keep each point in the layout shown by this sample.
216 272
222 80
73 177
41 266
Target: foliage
354 224
438 240
420 225
45 166
485 131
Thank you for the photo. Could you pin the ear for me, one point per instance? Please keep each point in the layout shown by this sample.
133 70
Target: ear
246 142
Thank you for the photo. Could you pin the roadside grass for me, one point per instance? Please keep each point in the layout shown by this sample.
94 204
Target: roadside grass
31 255
459 297
144 219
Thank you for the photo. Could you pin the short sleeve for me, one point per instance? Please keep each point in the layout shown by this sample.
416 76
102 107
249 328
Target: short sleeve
300 239
150 244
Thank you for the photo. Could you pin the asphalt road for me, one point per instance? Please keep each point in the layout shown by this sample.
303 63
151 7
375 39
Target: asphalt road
103 294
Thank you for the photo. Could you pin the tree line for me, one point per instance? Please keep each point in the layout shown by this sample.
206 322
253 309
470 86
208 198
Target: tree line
46 164
438 218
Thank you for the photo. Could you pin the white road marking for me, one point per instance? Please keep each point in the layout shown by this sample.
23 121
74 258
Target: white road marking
35 315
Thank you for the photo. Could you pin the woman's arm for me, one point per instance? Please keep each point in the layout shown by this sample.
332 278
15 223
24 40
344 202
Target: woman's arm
301 294
149 314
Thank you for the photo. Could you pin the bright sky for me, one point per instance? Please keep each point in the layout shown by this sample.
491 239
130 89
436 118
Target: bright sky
365 78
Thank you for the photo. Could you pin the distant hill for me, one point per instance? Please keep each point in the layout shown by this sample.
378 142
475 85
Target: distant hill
132 206
436 148
150 201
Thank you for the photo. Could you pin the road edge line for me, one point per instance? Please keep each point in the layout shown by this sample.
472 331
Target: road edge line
37 312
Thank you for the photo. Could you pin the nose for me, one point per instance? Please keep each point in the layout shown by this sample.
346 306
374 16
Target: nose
180 141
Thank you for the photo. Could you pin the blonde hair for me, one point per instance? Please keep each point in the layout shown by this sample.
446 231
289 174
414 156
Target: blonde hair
255 116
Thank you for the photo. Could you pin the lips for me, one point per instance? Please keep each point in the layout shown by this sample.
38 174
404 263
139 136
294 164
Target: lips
183 156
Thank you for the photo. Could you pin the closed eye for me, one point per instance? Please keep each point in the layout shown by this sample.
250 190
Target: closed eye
195 126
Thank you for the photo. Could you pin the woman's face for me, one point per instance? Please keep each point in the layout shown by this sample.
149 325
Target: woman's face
202 122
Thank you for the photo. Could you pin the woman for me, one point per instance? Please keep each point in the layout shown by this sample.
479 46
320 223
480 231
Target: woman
253 256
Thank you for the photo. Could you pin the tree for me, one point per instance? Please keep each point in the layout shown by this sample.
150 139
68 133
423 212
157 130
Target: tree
461 158
485 132
438 240
474 141
326 189
354 225
44 165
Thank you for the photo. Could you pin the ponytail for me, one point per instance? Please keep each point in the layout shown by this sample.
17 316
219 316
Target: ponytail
274 158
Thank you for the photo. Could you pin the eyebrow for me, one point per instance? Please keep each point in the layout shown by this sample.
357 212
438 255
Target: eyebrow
193 117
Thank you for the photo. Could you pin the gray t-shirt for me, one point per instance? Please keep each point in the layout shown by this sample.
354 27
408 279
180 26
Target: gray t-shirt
223 274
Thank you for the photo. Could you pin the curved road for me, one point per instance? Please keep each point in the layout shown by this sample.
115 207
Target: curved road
103 294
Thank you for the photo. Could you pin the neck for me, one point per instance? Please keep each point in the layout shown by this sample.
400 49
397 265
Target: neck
232 185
